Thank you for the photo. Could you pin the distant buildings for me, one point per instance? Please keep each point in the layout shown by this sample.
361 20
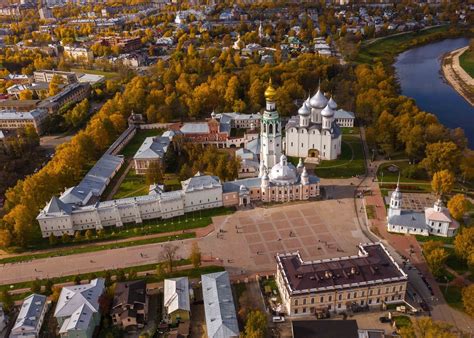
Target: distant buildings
31 316
219 307
47 76
176 300
78 53
78 310
125 45
368 279
72 93
12 119
130 305
433 221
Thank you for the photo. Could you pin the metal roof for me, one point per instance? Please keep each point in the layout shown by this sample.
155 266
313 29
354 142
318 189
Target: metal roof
219 307
195 128
30 313
176 294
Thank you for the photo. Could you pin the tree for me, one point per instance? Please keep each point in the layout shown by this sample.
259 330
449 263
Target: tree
65 238
195 256
154 174
464 243
108 278
435 260
457 206
441 156
56 293
468 299
442 182
120 276
7 301
26 95
425 327
89 234
48 287
169 255
429 246
77 236
53 240
256 325
160 271
77 280
5 238
36 286
55 85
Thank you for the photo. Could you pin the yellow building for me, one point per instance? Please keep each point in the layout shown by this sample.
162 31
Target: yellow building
176 300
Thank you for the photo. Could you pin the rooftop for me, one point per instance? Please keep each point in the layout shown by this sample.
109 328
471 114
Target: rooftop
373 264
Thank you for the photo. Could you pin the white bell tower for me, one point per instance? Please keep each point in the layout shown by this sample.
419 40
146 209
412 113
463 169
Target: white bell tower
395 207
270 131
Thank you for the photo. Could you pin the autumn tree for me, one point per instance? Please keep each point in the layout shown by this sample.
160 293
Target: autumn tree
425 327
195 255
457 206
25 95
464 243
441 156
169 255
160 271
468 299
55 85
442 182
7 301
154 173
436 259
36 286
256 324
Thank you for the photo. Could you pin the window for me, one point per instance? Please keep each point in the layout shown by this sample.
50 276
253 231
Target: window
296 302
304 301
296 311
304 310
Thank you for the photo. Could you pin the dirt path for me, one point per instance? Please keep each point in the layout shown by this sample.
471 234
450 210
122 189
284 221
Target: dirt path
456 76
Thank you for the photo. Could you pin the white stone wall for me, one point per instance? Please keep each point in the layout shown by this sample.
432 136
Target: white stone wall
203 199
300 141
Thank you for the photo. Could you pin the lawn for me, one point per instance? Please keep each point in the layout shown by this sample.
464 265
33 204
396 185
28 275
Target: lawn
107 75
385 175
390 46
458 265
137 140
453 296
402 321
445 240
350 163
370 210
467 62
132 185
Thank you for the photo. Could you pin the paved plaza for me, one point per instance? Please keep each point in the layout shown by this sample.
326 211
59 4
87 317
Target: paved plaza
247 241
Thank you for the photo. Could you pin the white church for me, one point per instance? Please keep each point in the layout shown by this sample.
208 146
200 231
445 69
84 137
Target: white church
314 132
433 221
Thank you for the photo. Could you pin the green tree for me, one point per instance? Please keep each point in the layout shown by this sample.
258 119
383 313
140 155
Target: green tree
120 275
48 287
77 280
7 301
36 286
53 240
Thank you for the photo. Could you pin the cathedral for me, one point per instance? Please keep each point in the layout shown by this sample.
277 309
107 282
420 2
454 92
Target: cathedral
314 132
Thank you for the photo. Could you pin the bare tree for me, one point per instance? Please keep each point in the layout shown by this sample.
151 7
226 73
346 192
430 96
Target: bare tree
169 255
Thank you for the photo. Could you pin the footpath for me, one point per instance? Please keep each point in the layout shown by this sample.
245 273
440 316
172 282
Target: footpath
456 76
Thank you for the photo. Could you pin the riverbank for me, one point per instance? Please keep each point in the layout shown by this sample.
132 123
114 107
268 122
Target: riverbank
456 76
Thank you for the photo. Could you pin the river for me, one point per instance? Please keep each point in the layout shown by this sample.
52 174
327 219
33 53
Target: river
418 71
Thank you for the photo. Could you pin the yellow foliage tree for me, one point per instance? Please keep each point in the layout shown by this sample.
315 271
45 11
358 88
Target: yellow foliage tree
442 182
468 299
457 206
26 95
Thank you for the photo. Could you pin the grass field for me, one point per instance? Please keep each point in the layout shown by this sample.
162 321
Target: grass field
467 62
135 143
350 163
402 321
389 176
132 185
390 46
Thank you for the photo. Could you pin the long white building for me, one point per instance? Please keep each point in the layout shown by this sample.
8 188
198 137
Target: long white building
79 208
314 131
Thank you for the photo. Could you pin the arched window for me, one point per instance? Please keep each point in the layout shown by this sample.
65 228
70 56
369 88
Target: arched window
270 128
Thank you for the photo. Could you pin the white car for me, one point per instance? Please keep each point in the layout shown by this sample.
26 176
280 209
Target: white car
278 319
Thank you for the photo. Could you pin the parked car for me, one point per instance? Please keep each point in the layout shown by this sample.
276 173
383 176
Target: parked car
385 320
278 319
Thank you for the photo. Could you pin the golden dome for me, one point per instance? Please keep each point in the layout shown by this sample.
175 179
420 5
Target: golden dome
270 92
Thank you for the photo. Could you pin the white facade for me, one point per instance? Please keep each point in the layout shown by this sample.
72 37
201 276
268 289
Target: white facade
433 221
31 316
314 131
199 192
